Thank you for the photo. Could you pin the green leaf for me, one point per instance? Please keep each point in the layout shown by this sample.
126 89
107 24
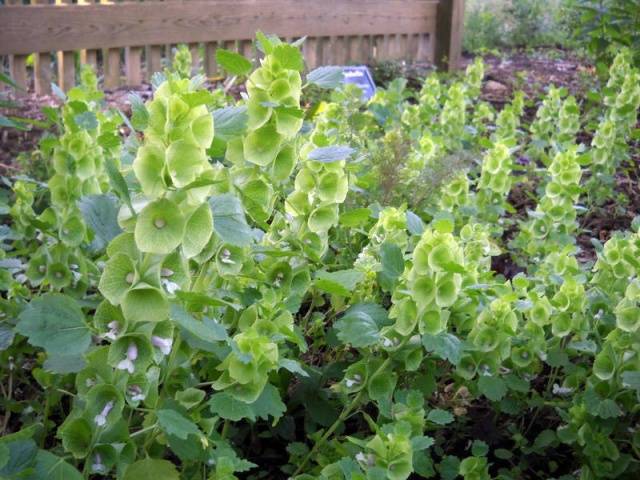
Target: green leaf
190 397
100 213
229 408
269 404
198 328
52 467
232 62
151 469
479 448
444 345
139 113
440 417
449 467
415 225
22 453
421 443
64 363
494 388
118 184
392 265
229 220
293 366
86 120
174 423
55 323
334 153
230 122
326 77
76 437
631 379
341 282
358 329
289 56
356 217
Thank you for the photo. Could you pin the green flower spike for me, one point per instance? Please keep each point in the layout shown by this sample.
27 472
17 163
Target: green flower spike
159 227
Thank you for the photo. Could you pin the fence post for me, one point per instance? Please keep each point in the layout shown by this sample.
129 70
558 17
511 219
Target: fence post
449 26
66 63
18 66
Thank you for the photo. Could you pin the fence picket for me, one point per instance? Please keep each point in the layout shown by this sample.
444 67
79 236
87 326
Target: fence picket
340 32
18 66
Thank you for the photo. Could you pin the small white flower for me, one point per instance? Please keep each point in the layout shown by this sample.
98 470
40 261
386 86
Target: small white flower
101 418
170 287
225 257
114 330
135 392
166 272
164 344
128 363
558 390
97 465
387 342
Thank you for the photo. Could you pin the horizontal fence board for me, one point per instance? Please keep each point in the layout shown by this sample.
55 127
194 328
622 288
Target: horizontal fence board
44 28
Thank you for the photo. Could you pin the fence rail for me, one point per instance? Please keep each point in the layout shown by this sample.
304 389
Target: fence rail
127 41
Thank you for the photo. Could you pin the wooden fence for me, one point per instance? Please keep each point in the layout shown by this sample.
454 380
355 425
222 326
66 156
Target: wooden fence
128 41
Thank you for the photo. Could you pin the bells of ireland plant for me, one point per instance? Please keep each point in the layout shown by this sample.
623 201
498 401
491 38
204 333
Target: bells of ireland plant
245 370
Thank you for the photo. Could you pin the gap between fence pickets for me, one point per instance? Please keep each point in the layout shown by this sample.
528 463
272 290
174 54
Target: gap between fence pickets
440 40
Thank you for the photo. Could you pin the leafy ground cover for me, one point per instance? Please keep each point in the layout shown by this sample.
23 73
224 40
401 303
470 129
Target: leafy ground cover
425 285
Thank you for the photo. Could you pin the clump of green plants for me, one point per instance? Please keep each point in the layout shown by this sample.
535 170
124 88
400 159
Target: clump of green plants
251 290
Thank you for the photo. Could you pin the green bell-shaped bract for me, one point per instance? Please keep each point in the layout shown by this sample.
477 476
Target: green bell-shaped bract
37 268
323 218
198 231
145 303
174 271
258 199
447 289
284 163
288 121
202 129
540 313
104 406
405 312
229 259
109 321
76 435
124 243
148 167
423 291
258 110
120 353
72 231
305 180
433 322
159 227
333 187
118 277
604 365
561 324
262 146
59 275
245 379
185 161
627 316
